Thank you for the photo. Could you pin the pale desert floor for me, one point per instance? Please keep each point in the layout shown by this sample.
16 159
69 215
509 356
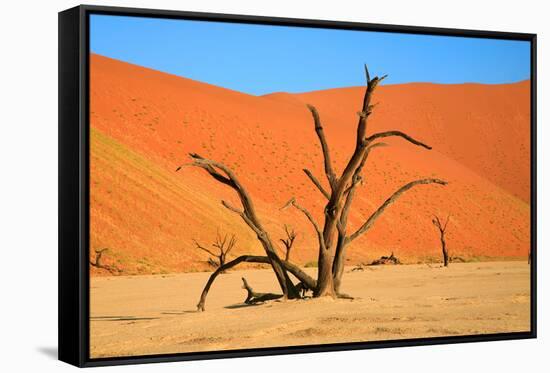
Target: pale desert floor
141 315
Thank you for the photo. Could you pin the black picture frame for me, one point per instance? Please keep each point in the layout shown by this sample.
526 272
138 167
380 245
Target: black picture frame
74 189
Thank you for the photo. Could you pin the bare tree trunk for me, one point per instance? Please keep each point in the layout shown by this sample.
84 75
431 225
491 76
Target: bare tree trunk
325 283
338 266
445 253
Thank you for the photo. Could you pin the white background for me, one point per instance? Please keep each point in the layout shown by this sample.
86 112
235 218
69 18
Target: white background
28 184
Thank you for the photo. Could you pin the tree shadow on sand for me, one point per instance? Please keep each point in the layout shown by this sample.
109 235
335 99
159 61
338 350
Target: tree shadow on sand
242 305
179 312
121 318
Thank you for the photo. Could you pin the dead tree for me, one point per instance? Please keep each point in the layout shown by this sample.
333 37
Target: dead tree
223 247
383 260
288 241
98 263
224 175
334 237
442 228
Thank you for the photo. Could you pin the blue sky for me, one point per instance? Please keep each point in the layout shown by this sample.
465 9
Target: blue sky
260 59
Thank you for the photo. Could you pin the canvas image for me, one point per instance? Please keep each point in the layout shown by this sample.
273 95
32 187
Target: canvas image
260 186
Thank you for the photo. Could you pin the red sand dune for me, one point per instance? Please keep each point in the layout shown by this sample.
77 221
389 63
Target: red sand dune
144 123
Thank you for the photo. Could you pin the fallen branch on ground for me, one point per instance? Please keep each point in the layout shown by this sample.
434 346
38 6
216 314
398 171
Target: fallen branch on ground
386 260
253 297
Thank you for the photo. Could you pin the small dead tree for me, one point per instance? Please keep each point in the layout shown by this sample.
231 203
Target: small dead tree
288 241
98 263
223 247
383 260
442 229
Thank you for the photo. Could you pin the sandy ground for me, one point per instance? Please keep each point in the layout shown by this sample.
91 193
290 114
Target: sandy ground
155 314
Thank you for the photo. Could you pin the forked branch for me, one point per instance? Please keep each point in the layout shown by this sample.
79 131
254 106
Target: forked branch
222 245
437 222
370 221
292 202
288 241
316 182
381 135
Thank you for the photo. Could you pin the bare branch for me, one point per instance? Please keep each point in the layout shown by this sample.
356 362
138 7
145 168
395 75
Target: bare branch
210 166
396 133
317 183
356 180
253 297
367 73
437 223
446 222
367 108
245 217
331 176
231 244
292 202
288 241
370 221
199 246
205 164
230 207
361 144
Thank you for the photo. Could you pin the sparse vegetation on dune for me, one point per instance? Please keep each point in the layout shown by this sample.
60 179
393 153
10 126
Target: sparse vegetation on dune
141 210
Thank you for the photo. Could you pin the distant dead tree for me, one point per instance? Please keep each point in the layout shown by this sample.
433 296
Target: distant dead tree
98 263
223 247
442 229
332 236
288 241
391 259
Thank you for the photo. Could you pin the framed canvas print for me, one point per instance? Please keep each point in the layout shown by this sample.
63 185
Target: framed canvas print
233 186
